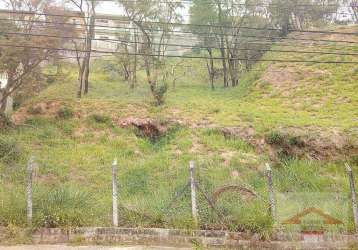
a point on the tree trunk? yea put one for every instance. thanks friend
(211, 69)
(2, 103)
(222, 45)
(4, 97)
(134, 73)
(80, 81)
(222, 51)
(233, 71)
(86, 76)
(88, 53)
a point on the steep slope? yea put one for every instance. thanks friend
(280, 111)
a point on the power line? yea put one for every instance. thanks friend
(188, 57)
(186, 46)
(185, 32)
(206, 25)
(240, 4)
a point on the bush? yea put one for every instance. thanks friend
(65, 113)
(275, 138)
(10, 151)
(62, 206)
(102, 119)
(5, 122)
(12, 208)
(159, 93)
(296, 141)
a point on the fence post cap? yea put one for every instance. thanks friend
(268, 167)
(348, 168)
(115, 161)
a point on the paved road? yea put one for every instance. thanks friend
(64, 247)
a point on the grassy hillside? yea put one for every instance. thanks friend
(276, 108)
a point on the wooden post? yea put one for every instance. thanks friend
(271, 192)
(353, 195)
(194, 209)
(114, 193)
(30, 167)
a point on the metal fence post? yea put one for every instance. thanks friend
(353, 195)
(194, 209)
(271, 192)
(114, 193)
(30, 168)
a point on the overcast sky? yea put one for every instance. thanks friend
(103, 8)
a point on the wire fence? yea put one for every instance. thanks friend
(190, 204)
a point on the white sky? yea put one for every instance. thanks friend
(103, 8)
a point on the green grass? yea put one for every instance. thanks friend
(74, 149)
(73, 177)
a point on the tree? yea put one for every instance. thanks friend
(354, 7)
(154, 21)
(204, 13)
(222, 31)
(297, 14)
(25, 44)
(87, 9)
(127, 57)
(242, 50)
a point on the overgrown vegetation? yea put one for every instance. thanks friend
(75, 145)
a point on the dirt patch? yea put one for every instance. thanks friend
(146, 127)
(247, 134)
(281, 78)
(315, 144)
(308, 143)
(287, 80)
(45, 109)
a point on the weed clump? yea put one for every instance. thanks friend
(159, 94)
(136, 181)
(101, 119)
(5, 122)
(10, 151)
(275, 138)
(62, 206)
(65, 113)
(295, 141)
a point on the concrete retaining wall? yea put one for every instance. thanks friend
(173, 237)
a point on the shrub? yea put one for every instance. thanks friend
(159, 93)
(296, 141)
(62, 206)
(65, 113)
(354, 160)
(275, 138)
(12, 208)
(5, 122)
(10, 151)
(102, 119)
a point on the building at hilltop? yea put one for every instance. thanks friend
(111, 31)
